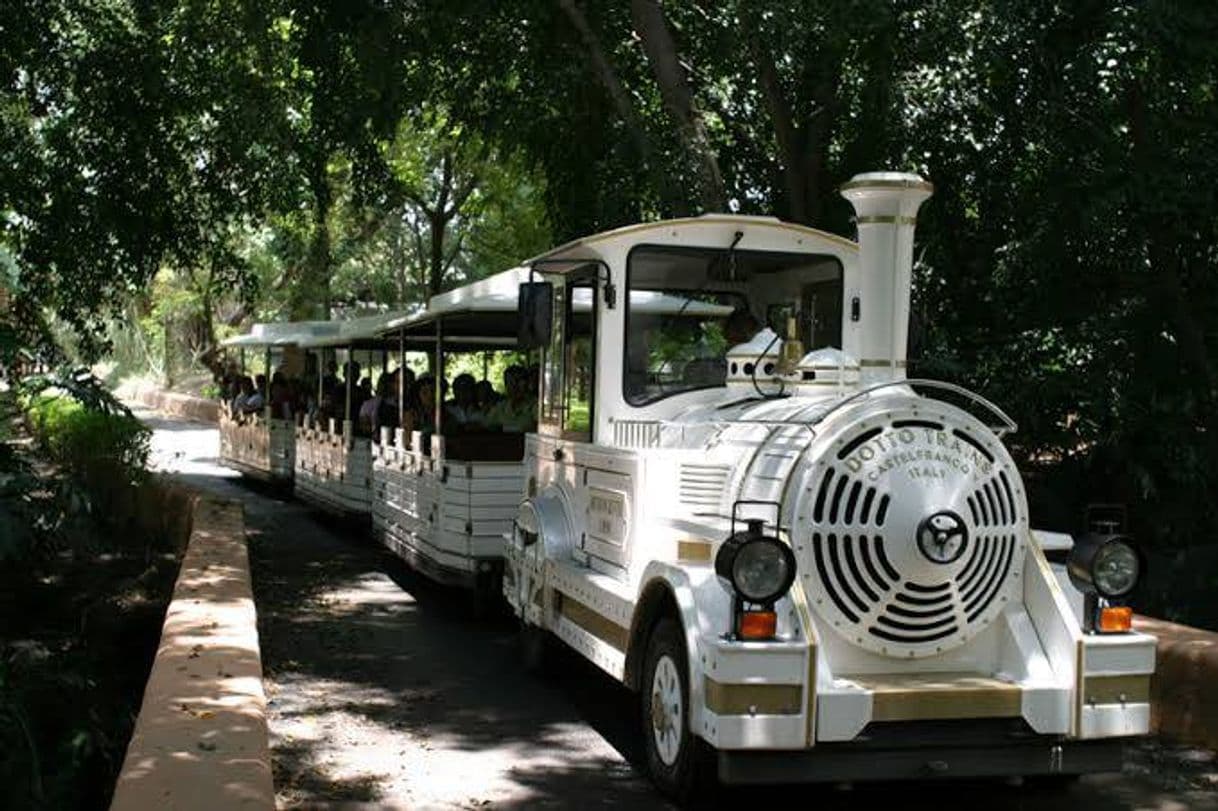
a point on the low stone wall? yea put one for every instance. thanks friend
(172, 403)
(200, 741)
(1184, 688)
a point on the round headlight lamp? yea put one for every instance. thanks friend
(1115, 569)
(758, 567)
(1107, 565)
(763, 570)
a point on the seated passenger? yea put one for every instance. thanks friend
(461, 413)
(281, 397)
(245, 387)
(422, 416)
(255, 400)
(387, 411)
(367, 410)
(486, 396)
(517, 412)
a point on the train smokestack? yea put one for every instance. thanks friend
(876, 323)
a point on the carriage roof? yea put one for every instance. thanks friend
(484, 312)
(285, 333)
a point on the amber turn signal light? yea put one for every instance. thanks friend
(758, 624)
(1114, 619)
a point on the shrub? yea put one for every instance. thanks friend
(103, 453)
(87, 441)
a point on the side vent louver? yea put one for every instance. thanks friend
(701, 486)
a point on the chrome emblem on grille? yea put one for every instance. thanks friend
(942, 537)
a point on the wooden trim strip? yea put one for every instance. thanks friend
(694, 551)
(594, 623)
(1116, 689)
(752, 699)
(935, 696)
(885, 220)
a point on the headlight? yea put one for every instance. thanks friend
(761, 571)
(758, 567)
(1115, 569)
(1107, 565)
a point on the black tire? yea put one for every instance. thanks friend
(690, 775)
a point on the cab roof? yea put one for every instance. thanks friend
(567, 257)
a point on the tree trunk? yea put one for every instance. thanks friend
(309, 297)
(678, 98)
(438, 225)
(602, 69)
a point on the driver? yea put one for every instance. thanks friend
(740, 327)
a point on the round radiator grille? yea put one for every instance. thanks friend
(911, 532)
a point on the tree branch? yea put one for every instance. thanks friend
(678, 99)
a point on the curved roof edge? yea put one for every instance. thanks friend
(565, 250)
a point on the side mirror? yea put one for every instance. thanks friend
(535, 314)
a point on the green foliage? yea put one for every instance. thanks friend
(101, 452)
(93, 445)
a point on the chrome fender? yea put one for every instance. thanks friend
(542, 531)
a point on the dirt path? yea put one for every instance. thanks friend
(385, 694)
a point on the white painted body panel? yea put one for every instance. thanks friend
(258, 445)
(334, 470)
(453, 514)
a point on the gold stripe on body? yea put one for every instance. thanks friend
(752, 699)
(1116, 689)
(932, 696)
(596, 624)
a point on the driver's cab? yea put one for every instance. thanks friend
(636, 325)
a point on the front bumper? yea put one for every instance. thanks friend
(920, 751)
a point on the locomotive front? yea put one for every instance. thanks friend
(888, 535)
(911, 527)
(807, 564)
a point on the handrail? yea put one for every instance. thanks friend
(1008, 425)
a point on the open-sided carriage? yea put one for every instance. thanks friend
(444, 500)
(333, 468)
(261, 443)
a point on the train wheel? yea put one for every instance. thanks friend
(681, 764)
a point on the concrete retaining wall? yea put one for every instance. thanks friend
(198, 409)
(1184, 689)
(200, 741)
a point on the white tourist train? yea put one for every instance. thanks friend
(810, 567)
(259, 443)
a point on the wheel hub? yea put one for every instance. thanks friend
(667, 716)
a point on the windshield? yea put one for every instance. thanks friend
(688, 306)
